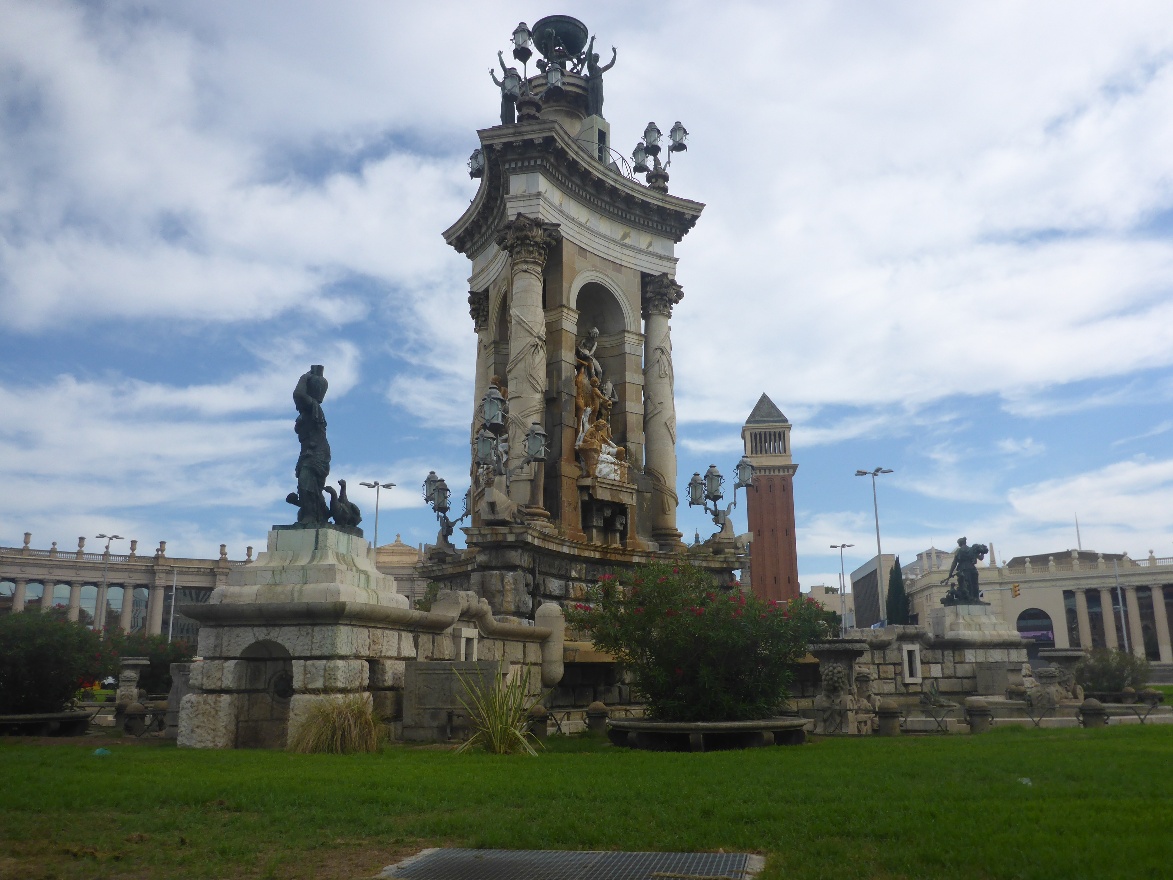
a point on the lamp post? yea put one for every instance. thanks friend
(706, 490)
(438, 497)
(490, 447)
(842, 587)
(376, 485)
(649, 146)
(100, 613)
(875, 472)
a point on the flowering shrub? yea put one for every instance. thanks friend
(697, 652)
(43, 662)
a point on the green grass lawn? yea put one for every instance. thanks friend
(1098, 804)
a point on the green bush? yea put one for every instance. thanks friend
(156, 678)
(1110, 672)
(44, 661)
(697, 652)
(338, 726)
(499, 713)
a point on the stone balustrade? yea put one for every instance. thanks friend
(84, 584)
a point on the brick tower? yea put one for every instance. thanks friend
(770, 502)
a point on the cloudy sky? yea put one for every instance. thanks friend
(939, 236)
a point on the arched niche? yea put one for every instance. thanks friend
(600, 307)
(1035, 625)
(266, 678)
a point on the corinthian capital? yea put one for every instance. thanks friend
(528, 240)
(660, 294)
(478, 308)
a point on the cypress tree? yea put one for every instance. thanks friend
(897, 610)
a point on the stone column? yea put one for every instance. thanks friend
(478, 309)
(47, 588)
(155, 610)
(528, 241)
(1135, 630)
(1082, 620)
(660, 294)
(18, 595)
(124, 616)
(1109, 617)
(74, 612)
(1162, 621)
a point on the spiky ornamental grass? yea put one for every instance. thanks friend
(338, 726)
(498, 712)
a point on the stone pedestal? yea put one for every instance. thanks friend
(312, 619)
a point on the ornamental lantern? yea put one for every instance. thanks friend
(535, 443)
(493, 411)
(485, 448)
(652, 139)
(696, 491)
(744, 472)
(521, 42)
(713, 481)
(553, 78)
(440, 496)
(476, 164)
(678, 135)
(430, 486)
(639, 158)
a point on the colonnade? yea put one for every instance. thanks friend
(1132, 611)
(153, 623)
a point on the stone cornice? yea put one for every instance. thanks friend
(545, 146)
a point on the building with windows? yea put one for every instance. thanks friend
(865, 588)
(1067, 599)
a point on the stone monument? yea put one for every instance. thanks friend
(312, 619)
(573, 282)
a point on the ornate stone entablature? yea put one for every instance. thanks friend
(548, 148)
(528, 241)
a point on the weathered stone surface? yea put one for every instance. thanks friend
(207, 721)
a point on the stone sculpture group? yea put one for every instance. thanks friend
(313, 464)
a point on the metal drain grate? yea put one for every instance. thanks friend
(504, 864)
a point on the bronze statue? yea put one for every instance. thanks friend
(343, 511)
(313, 465)
(965, 562)
(510, 85)
(595, 78)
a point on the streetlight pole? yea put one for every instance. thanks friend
(842, 587)
(100, 612)
(376, 485)
(879, 553)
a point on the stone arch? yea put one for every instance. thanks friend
(499, 324)
(1035, 625)
(264, 679)
(595, 310)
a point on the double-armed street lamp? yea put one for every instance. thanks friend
(376, 485)
(875, 472)
(100, 621)
(438, 496)
(842, 586)
(706, 490)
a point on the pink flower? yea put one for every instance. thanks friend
(607, 577)
(676, 571)
(737, 612)
(639, 611)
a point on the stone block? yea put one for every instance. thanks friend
(964, 670)
(345, 675)
(387, 673)
(992, 678)
(444, 647)
(490, 649)
(361, 641)
(424, 646)
(555, 587)
(514, 652)
(951, 685)
(207, 721)
(388, 705)
(884, 686)
(309, 675)
(407, 646)
(968, 655)
(208, 642)
(533, 654)
(333, 641)
(210, 674)
(936, 670)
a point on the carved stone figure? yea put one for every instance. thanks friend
(313, 464)
(595, 78)
(965, 562)
(866, 702)
(584, 354)
(834, 704)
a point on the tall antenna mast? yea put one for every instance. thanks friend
(1078, 540)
